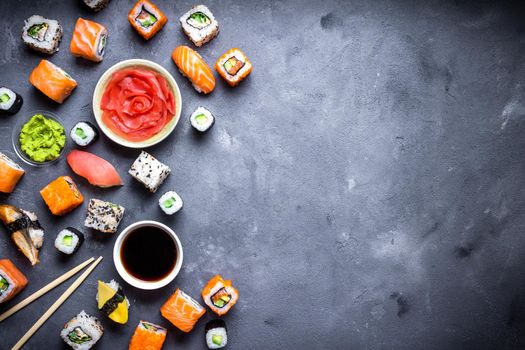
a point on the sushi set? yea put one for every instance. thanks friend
(136, 103)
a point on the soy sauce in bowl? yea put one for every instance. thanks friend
(148, 253)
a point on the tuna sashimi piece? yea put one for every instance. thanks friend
(96, 170)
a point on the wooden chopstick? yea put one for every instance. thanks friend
(44, 290)
(55, 305)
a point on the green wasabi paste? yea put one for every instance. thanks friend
(42, 139)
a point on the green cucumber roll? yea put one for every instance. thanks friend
(10, 101)
(202, 119)
(170, 202)
(216, 334)
(69, 240)
(84, 133)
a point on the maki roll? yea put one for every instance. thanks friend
(82, 331)
(202, 119)
(149, 171)
(10, 174)
(200, 25)
(216, 334)
(219, 295)
(96, 5)
(89, 40)
(112, 301)
(103, 216)
(52, 81)
(12, 281)
(170, 202)
(10, 101)
(233, 66)
(84, 133)
(182, 311)
(62, 196)
(69, 240)
(146, 19)
(42, 34)
(148, 336)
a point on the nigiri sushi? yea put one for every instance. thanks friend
(96, 170)
(182, 310)
(146, 19)
(89, 40)
(10, 174)
(12, 281)
(192, 66)
(148, 336)
(16, 223)
(233, 66)
(52, 81)
(219, 295)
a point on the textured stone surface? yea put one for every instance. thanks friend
(363, 188)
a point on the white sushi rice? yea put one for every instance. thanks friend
(88, 132)
(219, 331)
(50, 41)
(149, 171)
(200, 36)
(9, 103)
(10, 286)
(239, 56)
(170, 202)
(66, 249)
(103, 216)
(96, 5)
(200, 123)
(89, 325)
(36, 233)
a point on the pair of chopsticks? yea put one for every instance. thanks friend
(56, 304)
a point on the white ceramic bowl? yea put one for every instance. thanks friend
(147, 285)
(101, 86)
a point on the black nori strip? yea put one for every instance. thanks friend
(19, 101)
(20, 224)
(213, 324)
(112, 304)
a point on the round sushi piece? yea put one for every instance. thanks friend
(42, 34)
(170, 202)
(202, 119)
(216, 334)
(82, 331)
(10, 101)
(84, 133)
(69, 240)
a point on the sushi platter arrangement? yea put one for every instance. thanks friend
(136, 104)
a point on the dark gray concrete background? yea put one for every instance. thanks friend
(363, 188)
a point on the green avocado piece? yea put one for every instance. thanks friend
(216, 339)
(80, 133)
(67, 240)
(168, 203)
(78, 336)
(3, 285)
(4, 98)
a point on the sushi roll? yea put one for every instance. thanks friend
(202, 119)
(112, 301)
(103, 216)
(149, 171)
(219, 295)
(84, 133)
(200, 25)
(35, 230)
(89, 40)
(192, 66)
(62, 196)
(52, 81)
(233, 66)
(16, 224)
(148, 336)
(10, 101)
(69, 240)
(146, 19)
(10, 174)
(170, 202)
(42, 34)
(96, 5)
(12, 281)
(82, 332)
(182, 311)
(216, 334)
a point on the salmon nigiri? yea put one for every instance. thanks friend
(182, 310)
(191, 65)
(89, 40)
(53, 81)
(96, 170)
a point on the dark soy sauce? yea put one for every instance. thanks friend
(148, 253)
